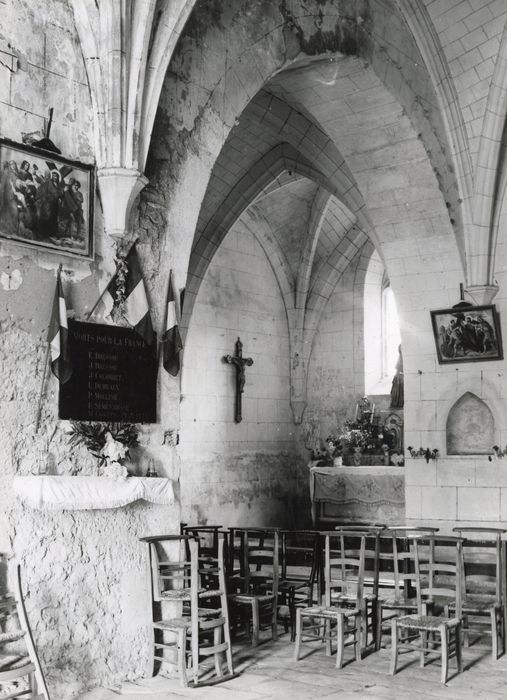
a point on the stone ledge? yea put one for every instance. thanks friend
(90, 492)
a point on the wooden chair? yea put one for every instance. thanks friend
(201, 629)
(369, 618)
(207, 536)
(256, 596)
(484, 583)
(438, 563)
(20, 672)
(397, 593)
(300, 568)
(337, 620)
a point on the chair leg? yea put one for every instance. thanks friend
(292, 623)
(494, 633)
(182, 661)
(424, 643)
(274, 624)
(357, 640)
(32, 684)
(394, 646)
(340, 639)
(466, 639)
(327, 635)
(457, 641)
(299, 627)
(255, 622)
(217, 638)
(228, 651)
(501, 615)
(444, 640)
(378, 625)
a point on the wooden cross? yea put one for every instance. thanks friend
(239, 362)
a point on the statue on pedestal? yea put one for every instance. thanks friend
(397, 391)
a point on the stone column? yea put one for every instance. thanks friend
(119, 188)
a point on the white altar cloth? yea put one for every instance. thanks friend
(90, 492)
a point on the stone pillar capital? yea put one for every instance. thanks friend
(119, 188)
(481, 294)
(298, 407)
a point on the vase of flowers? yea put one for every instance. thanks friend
(334, 450)
(110, 443)
(355, 440)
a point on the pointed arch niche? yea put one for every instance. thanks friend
(470, 428)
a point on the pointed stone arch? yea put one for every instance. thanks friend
(470, 427)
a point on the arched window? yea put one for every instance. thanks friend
(381, 329)
(391, 338)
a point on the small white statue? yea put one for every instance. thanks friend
(113, 452)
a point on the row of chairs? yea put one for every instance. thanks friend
(345, 587)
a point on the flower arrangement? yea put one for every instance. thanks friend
(355, 437)
(426, 452)
(499, 452)
(334, 447)
(108, 442)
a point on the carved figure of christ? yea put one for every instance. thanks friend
(240, 363)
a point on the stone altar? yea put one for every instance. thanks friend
(362, 494)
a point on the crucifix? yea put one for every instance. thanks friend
(239, 362)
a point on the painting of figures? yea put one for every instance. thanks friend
(46, 200)
(467, 334)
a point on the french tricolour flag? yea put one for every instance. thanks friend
(135, 309)
(58, 333)
(171, 339)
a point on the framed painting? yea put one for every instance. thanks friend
(46, 201)
(467, 334)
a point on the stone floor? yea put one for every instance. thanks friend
(270, 672)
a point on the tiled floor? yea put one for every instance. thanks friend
(272, 673)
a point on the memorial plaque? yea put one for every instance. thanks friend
(114, 375)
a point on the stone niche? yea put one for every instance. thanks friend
(470, 427)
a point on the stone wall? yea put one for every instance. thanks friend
(84, 574)
(88, 600)
(333, 382)
(247, 472)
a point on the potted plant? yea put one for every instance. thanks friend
(334, 450)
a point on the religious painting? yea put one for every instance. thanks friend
(46, 201)
(467, 334)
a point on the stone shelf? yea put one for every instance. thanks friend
(90, 492)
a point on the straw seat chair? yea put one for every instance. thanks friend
(438, 564)
(20, 670)
(197, 586)
(256, 598)
(337, 620)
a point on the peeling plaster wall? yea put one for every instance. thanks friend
(239, 473)
(88, 592)
(84, 573)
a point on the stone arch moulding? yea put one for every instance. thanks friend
(470, 427)
(266, 170)
(452, 389)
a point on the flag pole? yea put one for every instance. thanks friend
(44, 373)
(98, 300)
(107, 285)
(43, 384)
